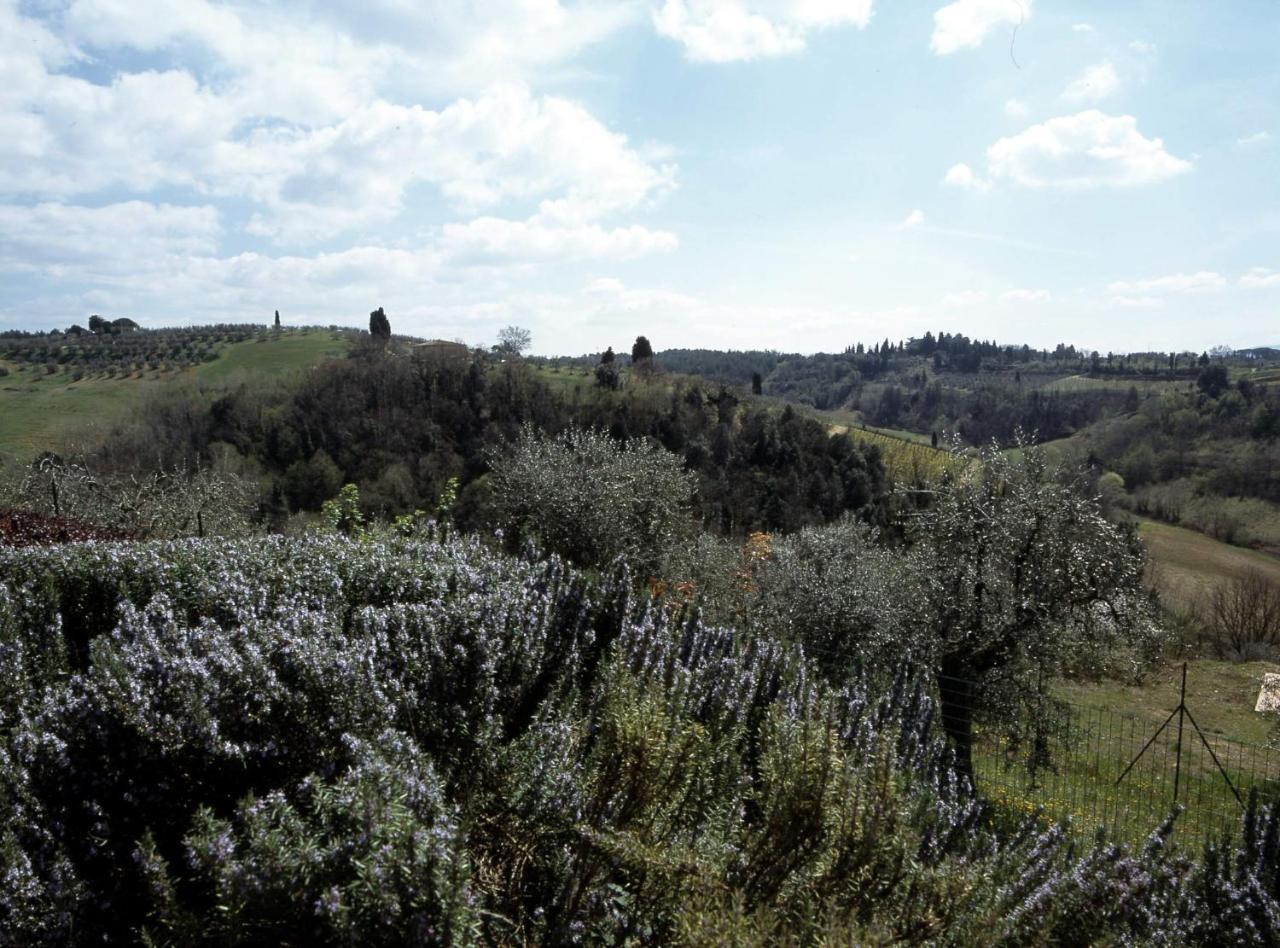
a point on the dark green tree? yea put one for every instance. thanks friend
(607, 376)
(641, 351)
(379, 325)
(1213, 380)
(757, 383)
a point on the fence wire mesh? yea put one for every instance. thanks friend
(1100, 767)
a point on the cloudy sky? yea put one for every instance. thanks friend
(790, 174)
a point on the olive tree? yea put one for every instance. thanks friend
(1018, 575)
(592, 499)
(160, 504)
(837, 591)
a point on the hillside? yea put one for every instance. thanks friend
(42, 410)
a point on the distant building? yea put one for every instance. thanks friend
(443, 349)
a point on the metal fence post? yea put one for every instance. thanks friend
(1182, 710)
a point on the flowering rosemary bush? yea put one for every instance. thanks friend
(387, 741)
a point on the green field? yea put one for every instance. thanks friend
(566, 379)
(271, 356)
(853, 420)
(908, 456)
(40, 412)
(1101, 728)
(1187, 565)
(1105, 724)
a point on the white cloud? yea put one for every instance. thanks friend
(334, 50)
(1094, 84)
(964, 24)
(721, 31)
(494, 240)
(296, 117)
(506, 145)
(1086, 150)
(914, 219)
(610, 293)
(1081, 27)
(962, 176)
(1025, 296)
(1174, 283)
(55, 238)
(1260, 277)
(964, 298)
(1016, 108)
(1138, 302)
(1143, 48)
(1257, 138)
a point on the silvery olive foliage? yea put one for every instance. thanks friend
(842, 595)
(163, 504)
(1018, 574)
(1016, 561)
(385, 741)
(592, 499)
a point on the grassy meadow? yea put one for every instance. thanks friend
(1102, 727)
(1186, 564)
(41, 411)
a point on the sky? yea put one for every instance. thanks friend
(798, 175)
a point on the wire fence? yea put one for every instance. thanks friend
(1101, 767)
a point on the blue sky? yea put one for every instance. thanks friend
(731, 173)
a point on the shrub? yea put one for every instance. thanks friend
(592, 499)
(423, 741)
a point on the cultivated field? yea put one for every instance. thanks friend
(49, 411)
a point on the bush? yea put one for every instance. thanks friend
(1243, 617)
(592, 499)
(421, 741)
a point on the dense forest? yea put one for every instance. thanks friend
(400, 424)
(1194, 438)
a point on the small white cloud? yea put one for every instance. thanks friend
(722, 31)
(1260, 277)
(914, 219)
(1174, 283)
(1093, 85)
(1081, 27)
(493, 240)
(1143, 48)
(1086, 150)
(965, 298)
(964, 24)
(1257, 138)
(962, 176)
(1138, 302)
(1025, 296)
(1016, 108)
